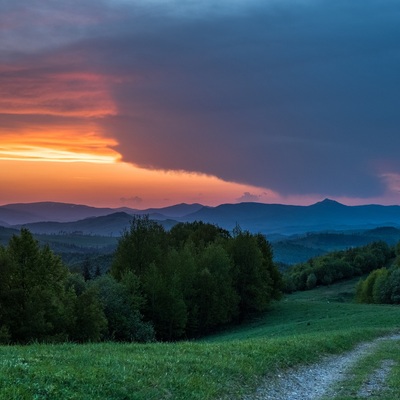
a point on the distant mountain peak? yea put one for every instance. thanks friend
(328, 203)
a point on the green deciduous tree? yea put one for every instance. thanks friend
(166, 306)
(253, 281)
(90, 323)
(121, 302)
(311, 281)
(216, 298)
(144, 243)
(33, 291)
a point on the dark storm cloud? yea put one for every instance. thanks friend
(299, 97)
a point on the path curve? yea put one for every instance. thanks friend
(311, 382)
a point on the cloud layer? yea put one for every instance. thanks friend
(300, 97)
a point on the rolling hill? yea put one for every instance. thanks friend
(56, 218)
(287, 219)
(108, 225)
(24, 213)
(27, 213)
(256, 217)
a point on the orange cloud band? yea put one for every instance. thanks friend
(58, 147)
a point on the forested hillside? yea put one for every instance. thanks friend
(338, 265)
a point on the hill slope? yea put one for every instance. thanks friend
(26, 213)
(23, 213)
(299, 248)
(109, 225)
(286, 219)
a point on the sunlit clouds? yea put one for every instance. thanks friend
(54, 88)
(34, 153)
(62, 145)
(49, 111)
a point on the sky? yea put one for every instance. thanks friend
(148, 103)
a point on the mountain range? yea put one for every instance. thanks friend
(271, 219)
(287, 219)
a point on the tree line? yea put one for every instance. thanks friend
(336, 266)
(163, 285)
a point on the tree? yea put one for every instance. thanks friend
(199, 233)
(380, 292)
(121, 308)
(166, 306)
(270, 272)
(253, 281)
(5, 271)
(216, 298)
(86, 269)
(394, 286)
(32, 299)
(90, 321)
(143, 244)
(311, 281)
(364, 289)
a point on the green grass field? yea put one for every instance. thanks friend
(300, 329)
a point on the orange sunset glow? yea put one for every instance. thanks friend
(64, 147)
(112, 184)
(53, 147)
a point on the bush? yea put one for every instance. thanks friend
(311, 281)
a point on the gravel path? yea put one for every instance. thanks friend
(314, 381)
(376, 382)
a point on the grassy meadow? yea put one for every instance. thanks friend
(297, 330)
